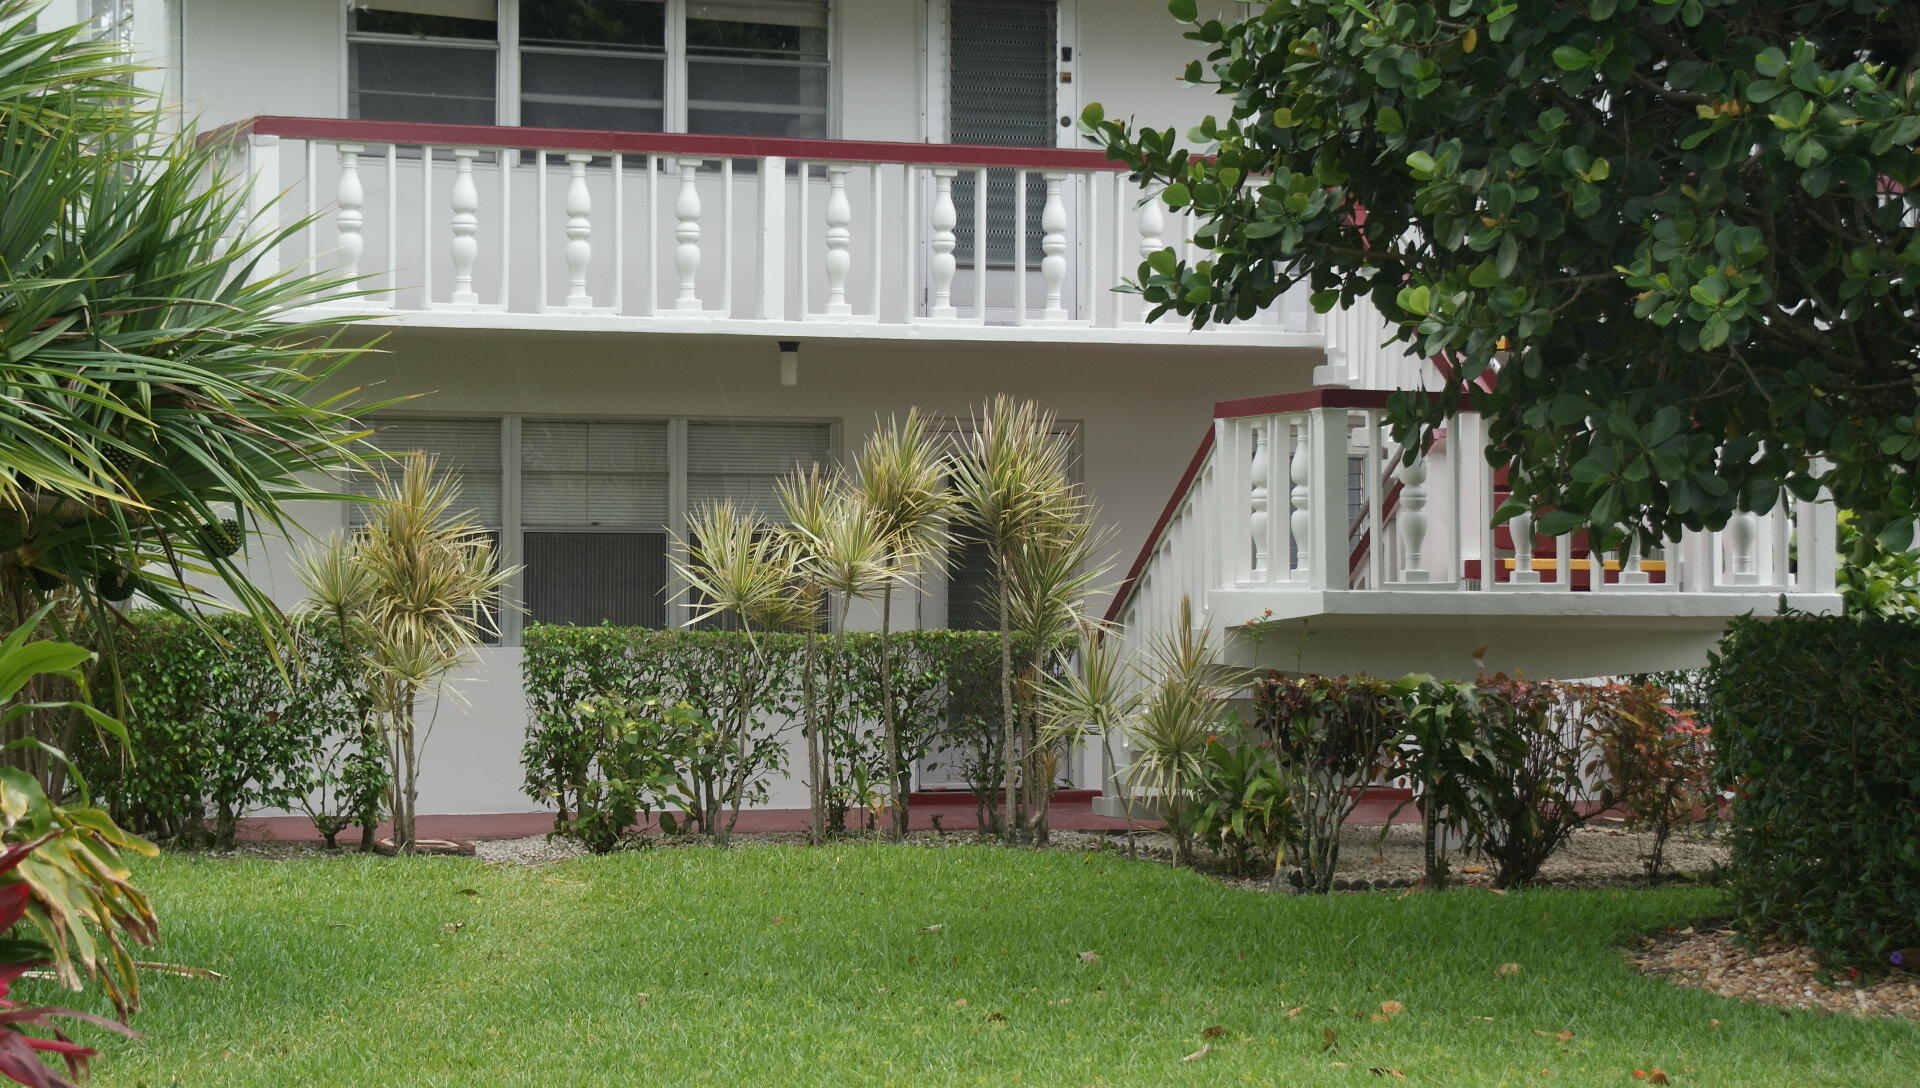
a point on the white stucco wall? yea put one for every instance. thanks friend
(1140, 413)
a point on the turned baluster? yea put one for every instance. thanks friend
(351, 197)
(839, 237)
(686, 257)
(940, 266)
(466, 225)
(1302, 502)
(579, 230)
(1413, 520)
(1053, 243)
(1257, 476)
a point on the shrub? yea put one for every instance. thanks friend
(1332, 735)
(1455, 757)
(639, 761)
(1533, 799)
(945, 686)
(1656, 761)
(224, 727)
(1816, 734)
(1242, 802)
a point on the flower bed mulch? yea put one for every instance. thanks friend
(1776, 974)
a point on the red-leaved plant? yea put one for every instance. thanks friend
(20, 1052)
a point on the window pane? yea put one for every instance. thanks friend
(466, 449)
(595, 24)
(392, 81)
(743, 461)
(604, 91)
(774, 29)
(600, 475)
(756, 98)
(468, 19)
(591, 578)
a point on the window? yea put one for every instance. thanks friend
(597, 501)
(422, 60)
(1000, 80)
(733, 67)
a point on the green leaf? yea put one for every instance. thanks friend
(1559, 522)
(1572, 59)
(1421, 164)
(1185, 11)
(1388, 120)
(1414, 300)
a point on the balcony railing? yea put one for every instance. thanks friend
(1294, 504)
(524, 227)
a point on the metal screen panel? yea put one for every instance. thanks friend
(1000, 82)
(592, 578)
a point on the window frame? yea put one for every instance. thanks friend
(507, 54)
(512, 552)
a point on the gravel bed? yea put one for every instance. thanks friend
(1773, 974)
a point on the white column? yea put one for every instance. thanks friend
(1053, 243)
(263, 195)
(351, 198)
(1299, 474)
(1413, 520)
(579, 230)
(1522, 529)
(466, 224)
(839, 258)
(940, 266)
(1258, 476)
(686, 258)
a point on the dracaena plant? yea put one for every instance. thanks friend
(66, 901)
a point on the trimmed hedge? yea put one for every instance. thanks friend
(946, 686)
(218, 727)
(1817, 725)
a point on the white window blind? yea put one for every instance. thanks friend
(466, 449)
(743, 461)
(593, 475)
(757, 68)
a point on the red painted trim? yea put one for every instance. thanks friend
(1180, 490)
(666, 143)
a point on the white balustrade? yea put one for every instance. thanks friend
(1300, 469)
(1053, 244)
(1412, 518)
(466, 224)
(351, 197)
(1520, 526)
(941, 265)
(686, 256)
(579, 231)
(1258, 521)
(839, 237)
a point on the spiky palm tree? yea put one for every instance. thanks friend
(1094, 700)
(421, 580)
(1055, 573)
(159, 402)
(844, 552)
(1185, 689)
(902, 473)
(1010, 472)
(737, 566)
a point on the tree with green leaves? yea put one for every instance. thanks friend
(1669, 248)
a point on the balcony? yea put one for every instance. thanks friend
(1296, 527)
(484, 227)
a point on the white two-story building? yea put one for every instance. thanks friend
(632, 255)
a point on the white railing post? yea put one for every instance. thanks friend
(579, 230)
(686, 257)
(263, 194)
(1413, 520)
(1053, 243)
(839, 258)
(1633, 571)
(466, 224)
(1258, 476)
(940, 266)
(1327, 482)
(350, 196)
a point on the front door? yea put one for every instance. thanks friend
(1008, 76)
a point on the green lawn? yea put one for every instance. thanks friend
(777, 965)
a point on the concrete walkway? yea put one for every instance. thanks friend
(1071, 811)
